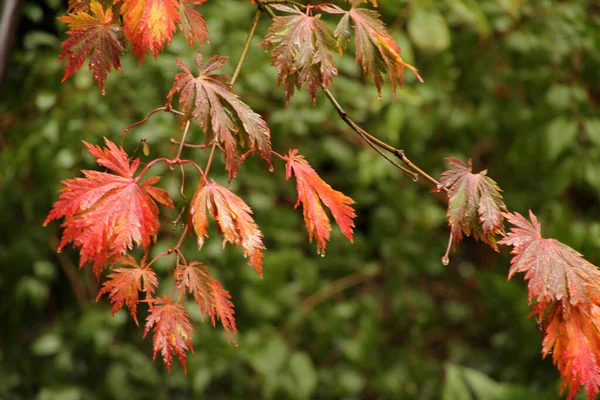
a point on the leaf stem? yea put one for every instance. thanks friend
(264, 5)
(166, 108)
(210, 158)
(244, 54)
(182, 143)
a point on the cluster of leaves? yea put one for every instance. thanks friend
(107, 214)
(564, 288)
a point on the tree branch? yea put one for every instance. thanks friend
(244, 54)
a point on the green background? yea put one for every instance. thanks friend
(514, 85)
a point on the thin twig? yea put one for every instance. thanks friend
(244, 54)
(166, 108)
(210, 158)
(191, 146)
(264, 5)
(182, 143)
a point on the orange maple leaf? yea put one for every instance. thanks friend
(475, 204)
(149, 24)
(96, 30)
(376, 50)
(209, 99)
(124, 284)
(311, 191)
(233, 218)
(572, 337)
(172, 330)
(105, 214)
(302, 51)
(208, 293)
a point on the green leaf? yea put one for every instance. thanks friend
(429, 30)
(561, 134)
(471, 12)
(303, 371)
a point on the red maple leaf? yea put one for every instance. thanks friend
(572, 337)
(172, 330)
(192, 24)
(554, 270)
(302, 51)
(224, 117)
(233, 218)
(311, 191)
(376, 50)
(208, 293)
(105, 214)
(96, 30)
(149, 24)
(124, 284)
(475, 204)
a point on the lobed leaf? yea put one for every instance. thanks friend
(96, 30)
(106, 214)
(172, 330)
(312, 190)
(208, 293)
(302, 51)
(376, 50)
(192, 24)
(124, 284)
(149, 24)
(572, 337)
(233, 219)
(475, 205)
(554, 270)
(224, 117)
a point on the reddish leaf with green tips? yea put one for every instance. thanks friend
(208, 293)
(209, 98)
(172, 330)
(312, 190)
(233, 219)
(376, 50)
(106, 214)
(302, 51)
(554, 270)
(192, 24)
(475, 204)
(98, 30)
(124, 284)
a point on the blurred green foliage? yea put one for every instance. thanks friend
(515, 85)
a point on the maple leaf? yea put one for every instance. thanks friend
(233, 219)
(312, 190)
(302, 51)
(554, 270)
(572, 337)
(78, 5)
(124, 284)
(376, 50)
(172, 330)
(92, 30)
(209, 99)
(105, 214)
(211, 297)
(149, 24)
(192, 24)
(475, 204)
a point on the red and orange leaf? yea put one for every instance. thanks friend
(96, 30)
(224, 117)
(554, 270)
(302, 51)
(106, 214)
(475, 204)
(124, 284)
(192, 24)
(312, 190)
(210, 296)
(149, 24)
(172, 330)
(376, 50)
(572, 337)
(233, 218)
(78, 5)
